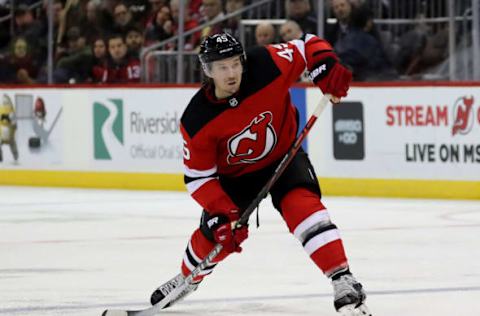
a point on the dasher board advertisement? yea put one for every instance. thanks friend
(405, 132)
(31, 129)
(138, 131)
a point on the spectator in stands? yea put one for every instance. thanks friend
(290, 30)
(363, 52)
(154, 7)
(370, 27)
(108, 6)
(26, 25)
(69, 44)
(76, 40)
(72, 15)
(232, 24)
(436, 49)
(134, 40)
(301, 12)
(421, 49)
(160, 28)
(411, 46)
(92, 11)
(98, 65)
(121, 67)
(194, 8)
(138, 10)
(212, 11)
(122, 19)
(73, 66)
(342, 10)
(89, 65)
(191, 41)
(92, 25)
(19, 65)
(264, 33)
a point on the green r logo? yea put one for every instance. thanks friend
(108, 128)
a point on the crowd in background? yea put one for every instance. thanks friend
(100, 41)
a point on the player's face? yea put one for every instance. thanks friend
(227, 76)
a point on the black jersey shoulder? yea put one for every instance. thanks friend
(199, 112)
(261, 70)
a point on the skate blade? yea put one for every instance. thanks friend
(350, 310)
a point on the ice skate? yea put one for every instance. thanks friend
(349, 296)
(163, 290)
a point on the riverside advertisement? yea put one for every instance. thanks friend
(138, 132)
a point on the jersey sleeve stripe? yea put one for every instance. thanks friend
(195, 173)
(196, 184)
(309, 37)
(321, 52)
(300, 46)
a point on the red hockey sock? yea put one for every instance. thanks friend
(308, 220)
(197, 249)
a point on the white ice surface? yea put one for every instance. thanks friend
(76, 252)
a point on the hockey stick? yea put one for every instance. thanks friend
(153, 310)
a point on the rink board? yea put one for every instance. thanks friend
(382, 141)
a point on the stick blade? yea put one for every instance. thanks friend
(151, 311)
(113, 312)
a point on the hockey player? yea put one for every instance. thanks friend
(8, 127)
(235, 130)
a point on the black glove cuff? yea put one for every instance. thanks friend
(216, 220)
(321, 69)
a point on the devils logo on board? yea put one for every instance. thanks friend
(463, 116)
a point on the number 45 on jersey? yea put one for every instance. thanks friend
(284, 51)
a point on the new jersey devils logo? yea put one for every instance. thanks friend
(254, 142)
(462, 113)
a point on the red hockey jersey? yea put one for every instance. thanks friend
(126, 72)
(249, 130)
